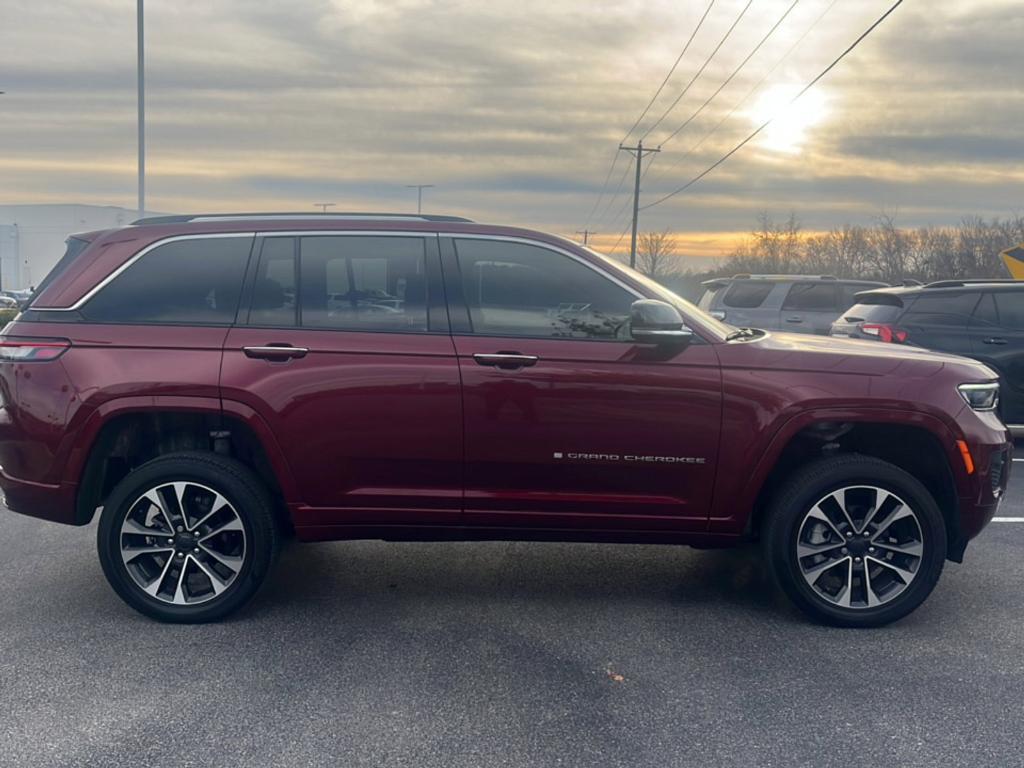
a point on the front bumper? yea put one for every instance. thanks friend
(55, 503)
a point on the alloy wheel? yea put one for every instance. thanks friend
(182, 543)
(859, 547)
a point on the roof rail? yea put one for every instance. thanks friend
(972, 281)
(780, 276)
(344, 216)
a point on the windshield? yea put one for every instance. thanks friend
(687, 308)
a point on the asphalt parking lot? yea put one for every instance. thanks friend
(375, 654)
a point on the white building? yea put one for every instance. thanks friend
(32, 236)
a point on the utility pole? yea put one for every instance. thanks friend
(419, 194)
(141, 74)
(586, 234)
(324, 206)
(639, 151)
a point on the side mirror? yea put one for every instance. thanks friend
(657, 322)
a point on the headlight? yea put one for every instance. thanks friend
(981, 397)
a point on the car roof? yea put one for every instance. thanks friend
(721, 282)
(949, 286)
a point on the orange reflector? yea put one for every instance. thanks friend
(965, 452)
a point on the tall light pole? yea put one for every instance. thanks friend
(141, 72)
(419, 194)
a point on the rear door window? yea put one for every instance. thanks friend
(748, 294)
(811, 297)
(947, 309)
(1011, 310)
(197, 281)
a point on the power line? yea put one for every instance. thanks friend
(751, 92)
(728, 80)
(618, 189)
(699, 71)
(664, 82)
(604, 188)
(615, 159)
(763, 125)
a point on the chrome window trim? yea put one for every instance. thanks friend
(549, 247)
(334, 233)
(120, 270)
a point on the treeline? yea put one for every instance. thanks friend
(880, 251)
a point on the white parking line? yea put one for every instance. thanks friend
(1008, 519)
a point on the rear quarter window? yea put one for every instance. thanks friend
(193, 282)
(747, 294)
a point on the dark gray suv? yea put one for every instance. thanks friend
(795, 303)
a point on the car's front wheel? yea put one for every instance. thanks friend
(187, 537)
(855, 541)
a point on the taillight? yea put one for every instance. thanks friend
(887, 333)
(14, 349)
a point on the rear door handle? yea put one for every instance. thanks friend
(794, 319)
(275, 352)
(507, 360)
(994, 340)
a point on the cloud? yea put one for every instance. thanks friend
(513, 109)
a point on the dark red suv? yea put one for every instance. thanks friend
(210, 384)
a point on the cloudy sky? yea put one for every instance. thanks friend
(514, 108)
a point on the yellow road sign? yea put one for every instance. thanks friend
(1014, 260)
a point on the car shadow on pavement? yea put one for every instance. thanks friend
(543, 574)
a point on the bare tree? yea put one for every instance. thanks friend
(656, 255)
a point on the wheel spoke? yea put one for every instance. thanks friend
(229, 561)
(805, 550)
(219, 502)
(842, 507)
(845, 597)
(179, 590)
(898, 513)
(133, 528)
(869, 591)
(812, 574)
(912, 548)
(232, 525)
(881, 496)
(153, 587)
(154, 498)
(130, 553)
(817, 514)
(218, 584)
(902, 572)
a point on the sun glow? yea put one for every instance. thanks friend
(790, 122)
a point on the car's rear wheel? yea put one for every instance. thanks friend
(855, 541)
(187, 537)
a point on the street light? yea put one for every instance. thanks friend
(141, 74)
(419, 194)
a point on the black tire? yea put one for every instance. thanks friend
(234, 482)
(798, 496)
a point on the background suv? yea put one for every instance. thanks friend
(796, 303)
(212, 383)
(983, 319)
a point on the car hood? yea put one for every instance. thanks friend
(804, 352)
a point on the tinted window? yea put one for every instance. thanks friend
(748, 295)
(985, 312)
(363, 283)
(812, 297)
(273, 293)
(197, 282)
(951, 309)
(1011, 310)
(514, 289)
(848, 293)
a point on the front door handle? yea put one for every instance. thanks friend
(794, 319)
(994, 340)
(275, 352)
(506, 360)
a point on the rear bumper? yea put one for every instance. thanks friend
(55, 503)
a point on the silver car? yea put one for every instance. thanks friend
(797, 303)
